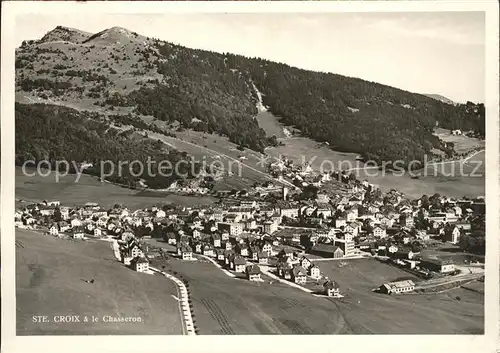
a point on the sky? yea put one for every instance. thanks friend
(439, 53)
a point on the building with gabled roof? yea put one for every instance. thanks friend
(397, 287)
(253, 272)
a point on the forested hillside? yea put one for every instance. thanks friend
(125, 73)
(54, 133)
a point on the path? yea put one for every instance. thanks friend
(211, 151)
(463, 160)
(183, 302)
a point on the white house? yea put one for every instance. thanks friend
(315, 272)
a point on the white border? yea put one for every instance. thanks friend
(249, 343)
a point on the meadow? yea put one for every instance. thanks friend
(71, 191)
(445, 179)
(50, 280)
(225, 305)
(458, 311)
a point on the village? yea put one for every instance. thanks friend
(282, 232)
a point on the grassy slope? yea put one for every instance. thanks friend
(89, 189)
(224, 305)
(49, 281)
(439, 182)
(244, 307)
(423, 314)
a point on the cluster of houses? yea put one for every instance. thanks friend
(132, 254)
(358, 220)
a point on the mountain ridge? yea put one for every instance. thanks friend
(119, 72)
(440, 98)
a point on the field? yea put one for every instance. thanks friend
(88, 189)
(462, 144)
(241, 168)
(423, 314)
(447, 180)
(225, 305)
(234, 306)
(268, 122)
(50, 280)
(452, 186)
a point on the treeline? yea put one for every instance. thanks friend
(380, 122)
(213, 93)
(202, 93)
(54, 133)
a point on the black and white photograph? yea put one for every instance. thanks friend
(252, 173)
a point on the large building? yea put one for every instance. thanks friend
(233, 228)
(397, 287)
(327, 250)
(438, 265)
(347, 246)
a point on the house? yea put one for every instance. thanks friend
(136, 251)
(267, 248)
(438, 265)
(305, 262)
(225, 236)
(403, 254)
(452, 234)
(351, 228)
(97, 232)
(406, 220)
(198, 248)
(299, 274)
(239, 264)
(219, 253)
(327, 250)
(229, 257)
(315, 272)
(216, 240)
(285, 253)
(233, 228)
(208, 251)
(126, 257)
(284, 270)
(250, 224)
(340, 222)
(242, 249)
(78, 233)
(253, 272)
(172, 239)
(254, 252)
(289, 212)
(379, 232)
(352, 215)
(386, 221)
(75, 222)
(397, 287)
(54, 230)
(263, 258)
(140, 264)
(331, 288)
(186, 252)
(270, 227)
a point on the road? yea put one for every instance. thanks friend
(217, 153)
(448, 280)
